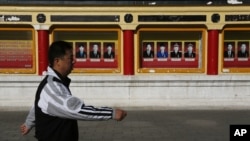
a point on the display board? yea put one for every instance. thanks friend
(235, 50)
(95, 50)
(171, 50)
(17, 51)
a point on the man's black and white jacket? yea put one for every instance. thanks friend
(56, 110)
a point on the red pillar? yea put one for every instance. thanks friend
(212, 58)
(43, 45)
(128, 52)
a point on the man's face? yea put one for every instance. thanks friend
(66, 63)
(229, 47)
(81, 48)
(176, 48)
(243, 48)
(95, 48)
(109, 48)
(190, 49)
(162, 48)
(148, 47)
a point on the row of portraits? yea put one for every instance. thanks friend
(107, 50)
(239, 49)
(164, 50)
(94, 50)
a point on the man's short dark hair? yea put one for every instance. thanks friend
(109, 45)
(148, 44)
(80, 45)
(162, 44)
(58, 49)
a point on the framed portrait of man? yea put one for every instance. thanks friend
(190, 53)
(243, 50)
(148, 51)
(176, 51)
(95, 51)
(81, 51)
(109, 51)
(229, 51)
(162, 51)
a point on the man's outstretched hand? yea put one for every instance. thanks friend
(120, 114)
(24, 129)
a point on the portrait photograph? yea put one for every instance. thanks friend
(81, 50)
(229, 51)
(162, 50)
(176, 50)
(95, 50)
(148, 50)
(190, 50)
(108, 50)
(243, 50)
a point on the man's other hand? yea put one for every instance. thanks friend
(120, 114)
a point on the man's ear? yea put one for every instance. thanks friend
(56, 60)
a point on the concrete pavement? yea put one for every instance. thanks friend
(165, 125)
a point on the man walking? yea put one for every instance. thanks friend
(56, 110)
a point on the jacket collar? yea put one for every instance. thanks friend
(65, 80)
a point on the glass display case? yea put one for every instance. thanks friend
(95, 50)
(235, 50)
(171, 50)
(17, 50)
